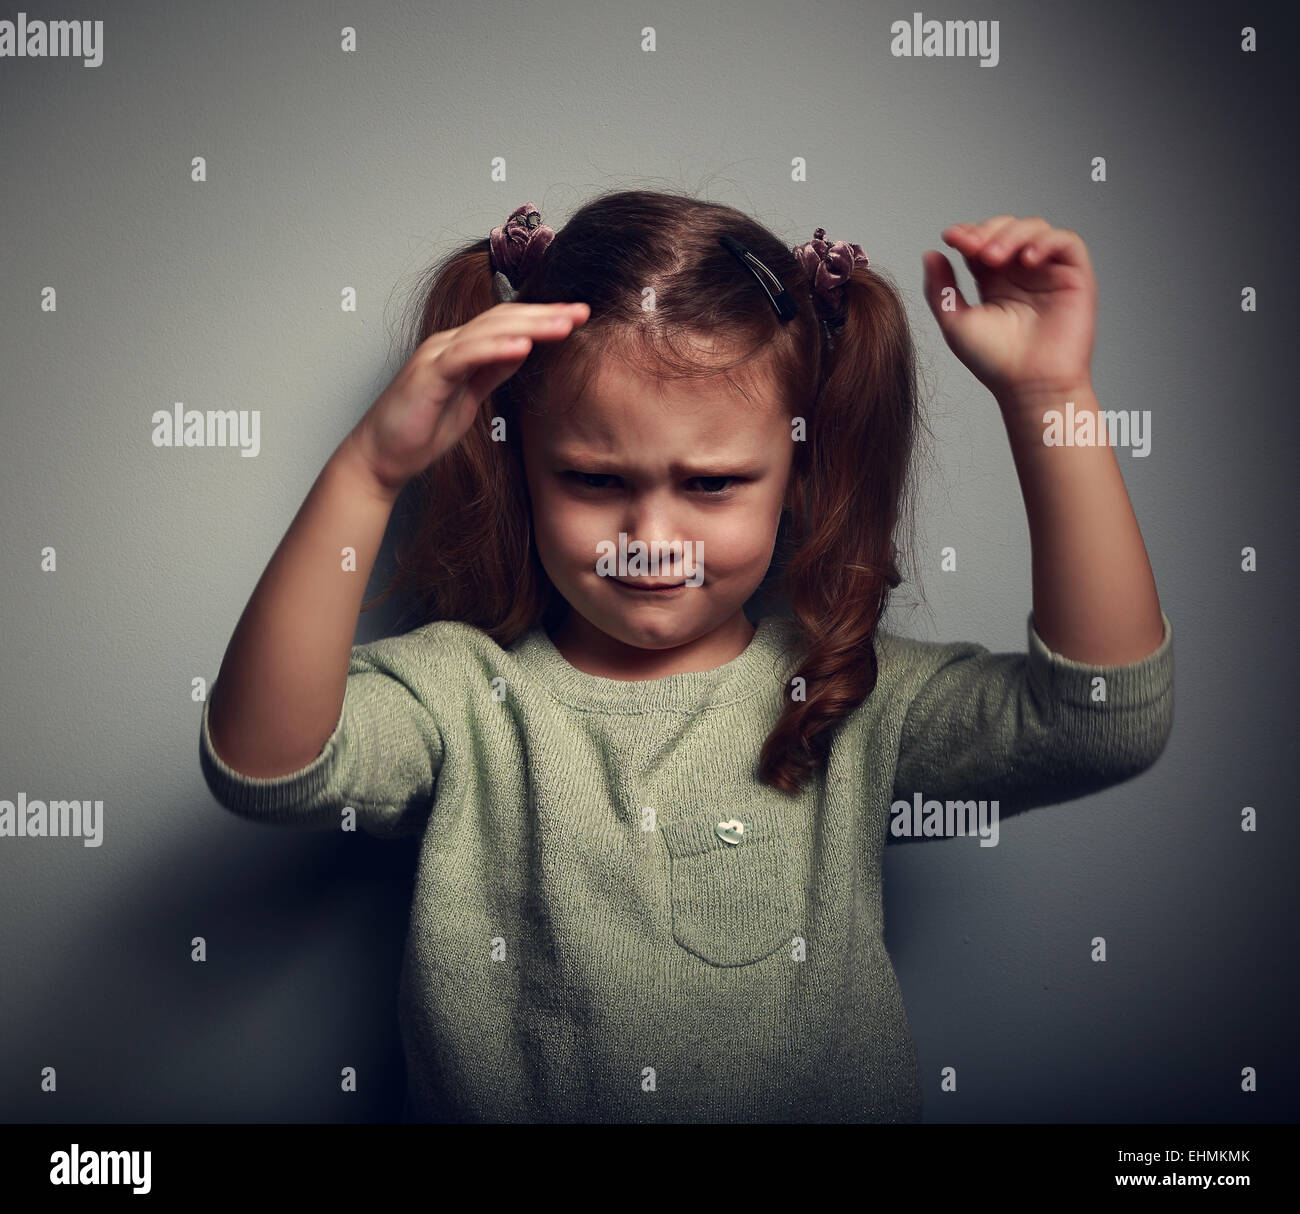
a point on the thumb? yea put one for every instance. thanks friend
(941, 291)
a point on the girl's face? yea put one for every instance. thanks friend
(690, 469)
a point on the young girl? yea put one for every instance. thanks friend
(649, 882)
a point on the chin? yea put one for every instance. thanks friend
(664, 632)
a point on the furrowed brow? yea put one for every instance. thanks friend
(590, 461)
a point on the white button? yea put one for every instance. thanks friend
(730, 831)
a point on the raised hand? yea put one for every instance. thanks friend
(1031, 334)
(432, 400)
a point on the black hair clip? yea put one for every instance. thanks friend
(782, 301)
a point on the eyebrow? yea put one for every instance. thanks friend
(739, 466)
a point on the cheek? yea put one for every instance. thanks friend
(737, 542)
(564, 532)
(545, 530)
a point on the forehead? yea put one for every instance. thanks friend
(620, 406)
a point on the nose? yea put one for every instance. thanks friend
(650, 519)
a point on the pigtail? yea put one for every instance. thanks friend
(852, 486)
(468, 554)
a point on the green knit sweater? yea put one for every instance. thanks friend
(588, 944)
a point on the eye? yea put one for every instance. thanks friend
(718, 481)
(709, 486)
(584, 479)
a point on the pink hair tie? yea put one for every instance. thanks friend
(516, 247)
(829, 264)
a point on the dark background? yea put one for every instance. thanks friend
(328, 170)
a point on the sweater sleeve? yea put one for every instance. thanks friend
(1030, 729)
(382, 760)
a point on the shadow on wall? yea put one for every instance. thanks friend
(304, 933)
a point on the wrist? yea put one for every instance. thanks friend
(356, 457)
(1031, 400)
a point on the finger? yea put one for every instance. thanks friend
(526, 320)
(939, 278)
(1060, 245)
(492, 375)
(969, 239)
(512, 313)
(970, 236)
(1007, 242)
(465, 354)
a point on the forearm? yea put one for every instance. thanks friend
(1094, 593)
(280, 689)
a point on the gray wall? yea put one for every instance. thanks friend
(328, 170)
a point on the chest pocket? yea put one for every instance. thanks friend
(730, 900)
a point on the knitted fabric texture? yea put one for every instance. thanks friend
(565, 963)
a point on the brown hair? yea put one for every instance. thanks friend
(471, 556)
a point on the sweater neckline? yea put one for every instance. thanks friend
(756, 668)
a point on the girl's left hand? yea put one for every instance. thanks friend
(1032, 332)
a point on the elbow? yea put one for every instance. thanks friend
(1114, 749)
(1151, 731)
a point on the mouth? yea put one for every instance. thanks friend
(649, 588)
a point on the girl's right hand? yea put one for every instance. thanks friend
(432, 400)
